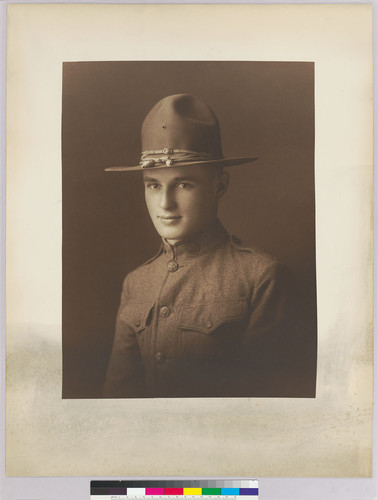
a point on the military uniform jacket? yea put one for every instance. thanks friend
(205, 318)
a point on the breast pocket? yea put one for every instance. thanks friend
(138, 317)
(212, 329)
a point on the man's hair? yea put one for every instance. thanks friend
(214, 171)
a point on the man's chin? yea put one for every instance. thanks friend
(171, 234)
(176, 234)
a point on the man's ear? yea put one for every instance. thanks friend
(222, 183)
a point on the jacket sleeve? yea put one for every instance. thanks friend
(125, 372)
(276, 344)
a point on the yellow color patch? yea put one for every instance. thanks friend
(192, 491)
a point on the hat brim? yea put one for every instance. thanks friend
(223, 162)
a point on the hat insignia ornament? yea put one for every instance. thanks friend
(151, 159)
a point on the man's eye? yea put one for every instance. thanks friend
(183, 185)
(152, 185)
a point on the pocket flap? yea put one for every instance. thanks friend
(207, 317)
(136, 315)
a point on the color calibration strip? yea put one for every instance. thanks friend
(125, 490)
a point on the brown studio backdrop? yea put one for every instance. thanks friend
(264, 108)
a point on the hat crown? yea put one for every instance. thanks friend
(182, 121)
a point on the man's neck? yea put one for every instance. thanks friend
(193, 237)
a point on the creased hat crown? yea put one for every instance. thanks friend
(182, 121)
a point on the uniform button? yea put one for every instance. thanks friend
(137, 323)
(193, 248)
(209, 324)
(159, 357)
(165, 312)
(172, 266)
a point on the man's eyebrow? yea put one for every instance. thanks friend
(149, 179)
(175, 179)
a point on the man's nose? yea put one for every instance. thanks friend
(167, 200)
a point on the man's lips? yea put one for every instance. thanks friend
(169, 217)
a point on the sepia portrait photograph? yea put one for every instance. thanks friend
(189, 258)
(188, 229)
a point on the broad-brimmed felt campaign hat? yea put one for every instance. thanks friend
(181, 130)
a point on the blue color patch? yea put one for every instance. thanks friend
(249, 491)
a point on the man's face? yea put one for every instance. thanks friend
(183, 201)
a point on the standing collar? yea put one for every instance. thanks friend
(201, 244)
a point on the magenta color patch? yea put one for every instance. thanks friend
(154, 491)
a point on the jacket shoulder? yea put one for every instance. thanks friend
(137, 272)
(260, 266)
(252, 253)
(147, 262)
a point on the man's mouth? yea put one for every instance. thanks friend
(169, 217)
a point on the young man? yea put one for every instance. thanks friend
(205, 317)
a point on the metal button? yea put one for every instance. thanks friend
(172, 266)
(137, 323)
(209, 324)
(164, 311)
(193, 248)
(159, 357)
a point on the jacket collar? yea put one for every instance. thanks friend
(203, 243)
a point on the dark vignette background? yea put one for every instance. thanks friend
(264, 108)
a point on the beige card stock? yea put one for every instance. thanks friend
(330, 435)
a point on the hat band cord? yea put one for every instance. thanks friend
(150, 159)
